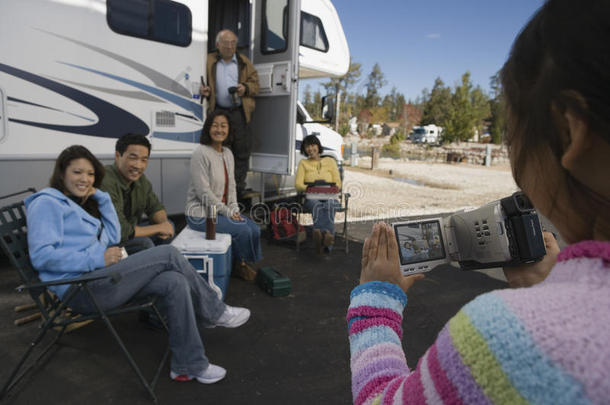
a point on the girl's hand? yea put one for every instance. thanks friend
(112, 255)
(529, 274)
(380, 259)
(91, 191)
(236, 216)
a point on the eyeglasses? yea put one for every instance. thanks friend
(228, 43)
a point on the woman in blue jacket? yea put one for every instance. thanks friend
(72, 226)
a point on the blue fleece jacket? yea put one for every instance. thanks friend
(64, 240)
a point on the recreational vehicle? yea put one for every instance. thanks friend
(88, 71)
(430, 134)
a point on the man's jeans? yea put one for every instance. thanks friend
(140, 243)
(187, 300)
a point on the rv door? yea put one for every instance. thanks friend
(275, 57)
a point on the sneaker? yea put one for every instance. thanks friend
(233, 317)
(211, 375)
(317, 240)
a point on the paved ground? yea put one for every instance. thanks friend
(293, 350)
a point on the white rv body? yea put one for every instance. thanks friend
(430, 134)
(67, 77)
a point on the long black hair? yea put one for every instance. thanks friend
(559, 62)
(61, 164)
(311, 140)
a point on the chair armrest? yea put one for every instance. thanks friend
(116, 277)
(27, 190)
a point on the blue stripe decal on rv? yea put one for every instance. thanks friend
(158, 78)
(178, 136)
(188, 105)
(17, 100)
(112, 120)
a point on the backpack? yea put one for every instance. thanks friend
(285, 226)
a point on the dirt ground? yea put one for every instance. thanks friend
(399, 188)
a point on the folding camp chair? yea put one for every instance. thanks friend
(13, 240)
(343, 207)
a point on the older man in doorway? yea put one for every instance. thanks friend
(232, 85)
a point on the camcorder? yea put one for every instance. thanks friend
(502, 233)
(234, 96)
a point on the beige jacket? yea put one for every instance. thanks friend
(207, 182)
(247, 76)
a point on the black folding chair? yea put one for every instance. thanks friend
(13, 240)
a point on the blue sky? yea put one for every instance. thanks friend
(416, 41)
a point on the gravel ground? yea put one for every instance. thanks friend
(400, 188)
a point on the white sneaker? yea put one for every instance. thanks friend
(211, 375)
(233, 317)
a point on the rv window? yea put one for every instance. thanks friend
(274, 35)
(156, 20)
(312, 32)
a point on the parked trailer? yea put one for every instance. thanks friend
(88, 71)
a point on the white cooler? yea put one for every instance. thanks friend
(211, 258)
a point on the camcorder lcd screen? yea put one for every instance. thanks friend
(420, 242)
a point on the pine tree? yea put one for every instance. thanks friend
(468, 112)
(436, 104)
(480, 109)
(307, 100)
(497, 127)
(460, 123)
(376, 80)
(316, 106)
(393, 103)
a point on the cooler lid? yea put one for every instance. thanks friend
(192, 241)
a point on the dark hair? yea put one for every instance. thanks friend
(131, 139)
(311, 140)
(205, 138)
(558, 62)
(61, 164)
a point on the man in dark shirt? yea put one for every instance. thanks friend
(133, 196)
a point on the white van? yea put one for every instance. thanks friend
(88, 71)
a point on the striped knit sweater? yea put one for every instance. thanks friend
(547, 344)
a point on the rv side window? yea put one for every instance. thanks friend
(157, 20)
(312, 32)
(274, 35)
